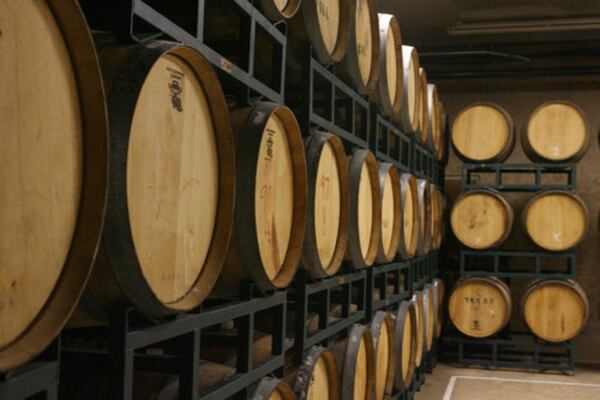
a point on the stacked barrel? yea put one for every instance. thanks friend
(554, 221)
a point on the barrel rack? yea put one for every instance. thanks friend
(513, 348)
(130, 334)
(38, 378)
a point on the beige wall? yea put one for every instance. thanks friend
(519, 98)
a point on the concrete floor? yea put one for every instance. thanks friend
(449, 383)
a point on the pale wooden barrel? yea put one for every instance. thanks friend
(270, 205)
(406, 344)
(409, 201)
(391, 213)
(483, 132)
(481, 219)
(391, 77)
(277, 10)
(171, 151)
(434, 133)
(410, 89)
(429, 308)
(327, 207)
(419, 301)
(437, 210)
(424, 209)
(272, 389)
(439, 289)
(365, 210)
(317, 378)
(355, 359)
(442, 152)
(423, 108)
(53, 179)
(557, 131)
(556, 220)
(555, 310)
(361, 63)
(384, 347)
(480, 306)
(325, 25)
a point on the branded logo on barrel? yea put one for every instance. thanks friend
(176, 88)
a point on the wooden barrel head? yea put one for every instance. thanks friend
(382, 330)
(172, 178)
(424, 211)
(410, 216)
(411, 99)
(439, 289)
(53, 177)
(557, 131)
(391, 217)
(406, 344)
(317, 377)
(556, 220)
(419, 300)
(328, 18)
(423, 107)
(481, 219)
(327, 230)
(363, 38)
(482, 132)
(555, 310)
(430, 315)
(391, 79)
(272, 389)
(434, 132)
(479, 307)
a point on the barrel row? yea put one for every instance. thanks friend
(557, 131)
(554, 220)
(554, 310)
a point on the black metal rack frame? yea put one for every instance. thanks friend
(243, 73)
(379, 279)
(424, 163)
(125, 336)
(536, 171)
(389, 143)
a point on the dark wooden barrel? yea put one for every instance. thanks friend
(423, 108)
(442, 152)
(557, 131)
(439, 289)
(384, 347)
(272, 389)
(424, 209)
(317, 377)
(437, 216)
(355, 359)
(391, 79)
(409, 199)
(556, 220)
(429, 308)
(361, 63)
(480, 306)
(406, 344)
(483, 132)
(277, 10)
(555, 310)
(327, 207)
(325, 25)
(171, 151)
(410, 89)
(270, 205)
(391, 213)
(481, 219)
(53, 178)
(418, 300)
(365, 210)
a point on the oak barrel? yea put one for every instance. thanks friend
(361, 63)
(327, 207)
(424, 209)
(384, 347)
(171, 151)
(483, 132)
(429, 308)
(423, 107)
(480, 306)
(391, 78)
(54, 156)
(325, 25)
(481, 219)
(409, 201)
(556, 220)
(406, 344)
(355, 359)
(434, 133)
(270, 204)
(276, 10)
(365, 209)
(269, 388)
(391, 213)
(439, 289)
(437, 215)
(555, 310)
(557, 131)
(442, 152)
(317, 377)
(410, 96)
(419, 301)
